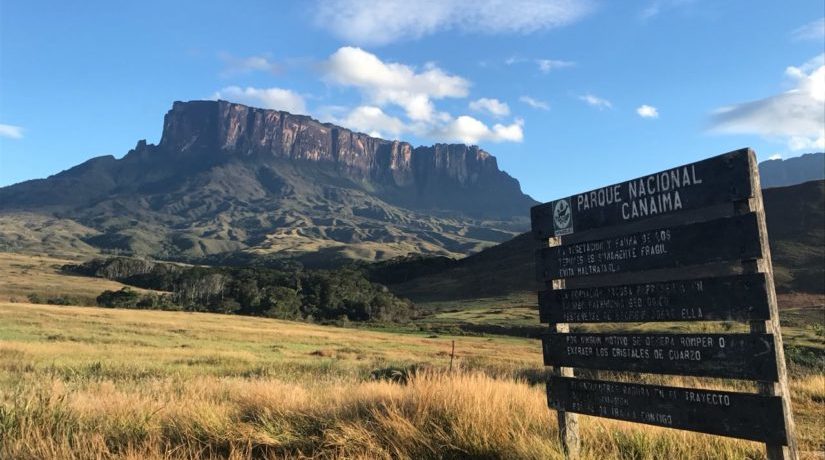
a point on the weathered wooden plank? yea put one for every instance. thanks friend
(738, 415)
(721, 179)
(568, 422)
(730, 298)
(727, 239)
(736, 356)
(774, 451)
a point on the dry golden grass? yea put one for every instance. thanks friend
(23, 274)
(435, 415)
(103, 383)
(160, 343)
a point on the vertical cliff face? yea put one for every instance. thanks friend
(223, 128)
(235, 129)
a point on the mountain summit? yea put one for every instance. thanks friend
(228, 177)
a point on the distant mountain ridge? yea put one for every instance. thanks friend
(227, 177)
(791, 171)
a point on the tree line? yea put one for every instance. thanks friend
(312, 295)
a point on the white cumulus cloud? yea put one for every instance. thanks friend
(814, 30)
(494, 107)
(394, 83)
(469, 130)
(390, 87)
(368, 22)
(397, 99)
(11, 131)
(647, 111)
(373, 121)
(796, 115)
(596, 101)
(535, 103)
(775, 156)
(798, 143)
(267, 98)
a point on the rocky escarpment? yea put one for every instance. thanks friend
(227, 177)
(457, 177)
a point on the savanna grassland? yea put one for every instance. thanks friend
(87, 382)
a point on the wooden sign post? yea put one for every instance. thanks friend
(682, 245)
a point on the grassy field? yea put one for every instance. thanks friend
(80, 382)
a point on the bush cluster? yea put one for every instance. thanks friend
(57, 299)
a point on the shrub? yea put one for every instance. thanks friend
(122, 298)
(56, 299)
(157, 302)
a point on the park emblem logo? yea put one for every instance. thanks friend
(562, 218)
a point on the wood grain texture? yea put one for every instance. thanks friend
(736, 356)
(774, 450)
(724, 413)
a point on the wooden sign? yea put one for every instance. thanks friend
(731, 238)
(721, 179)
(731, 298)
(737, 356)
(665, 247)
(738, 415)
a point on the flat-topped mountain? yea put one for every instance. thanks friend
(796, 170)
(228, 177)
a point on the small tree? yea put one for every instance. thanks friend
(248, 294)
(281, 302)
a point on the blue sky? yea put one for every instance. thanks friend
(569, 95)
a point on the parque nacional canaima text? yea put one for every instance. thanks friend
(646, 196)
